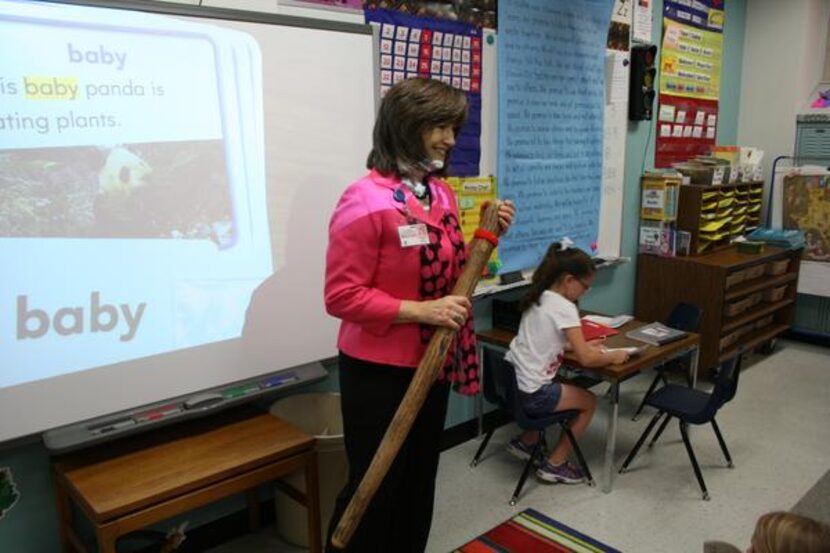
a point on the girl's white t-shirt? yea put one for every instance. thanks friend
(538, 348)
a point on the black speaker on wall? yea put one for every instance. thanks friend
(641, 92)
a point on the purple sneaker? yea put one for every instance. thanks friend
(566, 473)
(517, 448)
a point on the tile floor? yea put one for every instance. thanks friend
(776, 430)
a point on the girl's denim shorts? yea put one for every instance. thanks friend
(543, 401)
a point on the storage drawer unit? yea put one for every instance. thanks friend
(744, 305)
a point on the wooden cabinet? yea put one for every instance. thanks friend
(747, 299)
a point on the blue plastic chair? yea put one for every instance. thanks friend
(499, 383)
(691, 406)
(684, 316)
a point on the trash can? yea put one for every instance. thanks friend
(319, 415)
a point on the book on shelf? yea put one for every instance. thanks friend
(655, 334)
(595, 331)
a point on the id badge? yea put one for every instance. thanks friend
(413, 235)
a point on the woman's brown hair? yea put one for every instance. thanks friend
(410, 108)
(556, 263)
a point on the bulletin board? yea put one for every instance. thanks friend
(409, 46)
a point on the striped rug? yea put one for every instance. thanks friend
(532, 532)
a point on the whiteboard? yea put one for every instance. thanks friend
(314, 100)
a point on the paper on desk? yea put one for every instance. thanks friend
(631, 350)
(613, 322)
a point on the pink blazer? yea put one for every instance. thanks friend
(369, 272)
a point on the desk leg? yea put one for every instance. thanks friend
(480, 395)
(254, 510)
(611, 436)
(693, 363)
(64, 514)
(312, 491)
(107, 535)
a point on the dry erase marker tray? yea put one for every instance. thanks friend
(156, 415)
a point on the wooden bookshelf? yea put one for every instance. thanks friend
(714, 282)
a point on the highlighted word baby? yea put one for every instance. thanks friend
(50, 88)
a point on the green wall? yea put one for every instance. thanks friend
(31, 526)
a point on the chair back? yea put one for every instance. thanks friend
(726, 385)
(495, 387)
(500, 375)
(685, 316)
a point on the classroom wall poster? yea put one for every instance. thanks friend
(806, 206)
(615, 121)
(449, 51)
(690, 61)
(690, 65)
(472, 193)
(686, 127)
(619, 32)
(643, 18)
(551, 109)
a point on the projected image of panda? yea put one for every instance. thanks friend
(171, 190)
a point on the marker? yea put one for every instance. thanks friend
(279, 380)
(203, 401)
(113, 425)
(239, 391)
(158, 413)
(106, 423)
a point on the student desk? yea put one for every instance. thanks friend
(141, 480)
(613, 374)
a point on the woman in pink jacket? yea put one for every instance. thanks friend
(395, 252)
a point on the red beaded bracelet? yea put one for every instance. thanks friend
(486, 235)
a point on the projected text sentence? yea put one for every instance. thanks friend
(71, 88)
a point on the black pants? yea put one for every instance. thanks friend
(399, 516)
